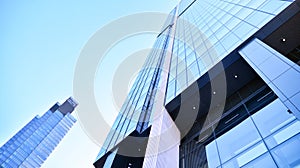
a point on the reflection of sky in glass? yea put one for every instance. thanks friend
(251, 154)
(39, 46)
(243, 145)
(218, 28)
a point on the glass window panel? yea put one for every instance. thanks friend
(171, 88)
(245, 135)
(212, 154)
(255, 3)
(244, 2)
(221, 32)
(188, 49)
(229, 41)
(220, 50)
(244, 30)
(225, 18)
(180, 67)
(251, 154)
(174, 61)
(274, 6)
(232, 23)
(258, 19)
(202, 67)
(195, 35)
(228, 7)
(190, 58)
(201, 49)
(206, 60)
(211, 41)
(216, 26)
(181, 56)
(197, 41)
(292, 87)
(208, 33)
(188, 40)
(283, 134)
(213, 55)
(243, 13)
(181, 79)
(220, 14)
(247, 156)
(287, 154)
(234, 10)
(209, 19)
(141, 100)
(272, 117)
(193, 72)
(205, 27)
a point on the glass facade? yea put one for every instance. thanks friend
(268, 138)
(207, 31)
(258, 127)
(136, 111)
(31, 146)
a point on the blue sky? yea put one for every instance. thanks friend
(39, 47)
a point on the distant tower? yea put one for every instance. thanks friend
(31, 146)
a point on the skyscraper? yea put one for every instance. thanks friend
(31, 146)
(220, 88)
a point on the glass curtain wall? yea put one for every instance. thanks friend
(268, 138)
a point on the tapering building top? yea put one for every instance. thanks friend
(32, 145)
(68, 106)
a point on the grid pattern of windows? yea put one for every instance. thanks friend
(207, 31)
(135, 113)
(31, 146)
(268, 138)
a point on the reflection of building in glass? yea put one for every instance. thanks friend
(31, 146)
(219, 89)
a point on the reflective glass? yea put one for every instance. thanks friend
(258, 19)
(229, 41)
(225, 18)
(212, 154)
(244, 30)
(255, 3)
(232, 23)
(273, 6)
(283, 134)
(221, 32)
(180, 67)
(234, 10)
(190, 58)
(245, 133)
(193, 71)
(287, 154)
(292, 87)
(272, 117)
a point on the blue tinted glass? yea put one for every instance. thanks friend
(212, 155)
(247, 135)
(221, 32)
(234, 10)
(274, 6)
(287, 154)
(229, 41)
(232, 23)
(272, 117)
(283, 134)
(244, 30)
(255, 3)
(258, 19)
(190, 58)
(193, 71)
